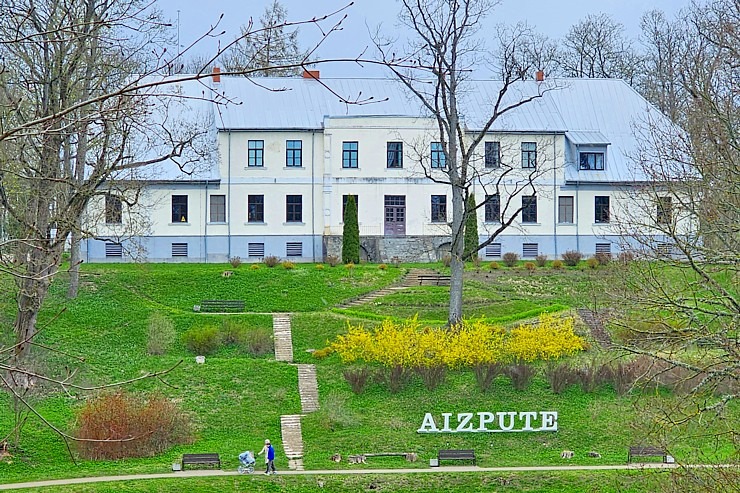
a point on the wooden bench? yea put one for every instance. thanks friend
(646, 451)
(220, 306)
(201, 459)
(433, 280)
(456, 455)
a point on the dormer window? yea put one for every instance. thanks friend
(591, 161)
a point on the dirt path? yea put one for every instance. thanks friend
(444, 469)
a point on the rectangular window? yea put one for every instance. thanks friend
(601, 210)
(529, 208)
(438, 155)
(439, 208)
(218, 209)
(493, 250)
(529, 155)
(113, 209)
(113, 250)
(592, 161)
(530, 250)
(255, 208)
(293, 208)
(179, 249)
(294, 153)
(255, 153)
(349, 155)
(179, 208)
(345, 198)
(493, 208)
(395, 155)
(256, 249)
(664, 210)
(294, 249)
(565, 209)
(493, 155)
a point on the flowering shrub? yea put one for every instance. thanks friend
(469, 344)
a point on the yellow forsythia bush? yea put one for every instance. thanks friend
(469, 344)
(551, 338)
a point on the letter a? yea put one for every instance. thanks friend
(428, 425)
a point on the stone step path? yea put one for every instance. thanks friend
(410, 279)
(290, 427)
(282, 337)
(594, 321)
(308, 388)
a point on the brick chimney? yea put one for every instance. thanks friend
(311, 74)
(216, 75)
(540, 75)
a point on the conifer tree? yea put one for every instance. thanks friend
(471, 228)
(350, 233)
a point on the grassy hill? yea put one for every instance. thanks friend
(235, 400)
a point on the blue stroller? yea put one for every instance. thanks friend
(247, 462)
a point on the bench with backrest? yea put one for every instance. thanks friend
(456, 455)
(220, 306)
(646, 451)
(201, 459)
(433, 280)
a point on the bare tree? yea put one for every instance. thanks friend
(683, 312)
(273, 49)
(596, 47)
(444, 50)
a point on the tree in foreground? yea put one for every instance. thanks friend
(680, 305)
(443, 50)
(350, 233)
(471, 228)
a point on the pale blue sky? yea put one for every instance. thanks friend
(551, 17)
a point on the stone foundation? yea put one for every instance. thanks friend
(386, 249)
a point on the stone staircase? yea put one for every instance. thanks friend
(308, 388)
(282, 337)
(410, 279)
(594, 321)
(292, 436)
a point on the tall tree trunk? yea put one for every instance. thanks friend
(74, 263)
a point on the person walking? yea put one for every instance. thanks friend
(269, 452)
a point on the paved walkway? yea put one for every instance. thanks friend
(443, 469)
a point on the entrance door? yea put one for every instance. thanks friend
(395, 215)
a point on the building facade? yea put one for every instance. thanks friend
(288, 158)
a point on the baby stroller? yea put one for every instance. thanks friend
(247, 462)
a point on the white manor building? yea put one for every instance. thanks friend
(287, 160)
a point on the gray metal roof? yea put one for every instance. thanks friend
(588, 111)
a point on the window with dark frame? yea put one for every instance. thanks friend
(345, 198)
(439, 160)
(218, 209)
(565, 209)
(179, 208)
(255, 208)
(439, 208)
(395, 155)
(350, 155)
(529, 208)
(529, 155)
(592, 161)
(493, 154)
(113, 209)
(294, 153)
(664, 212)
(601, 210)
(293, 208)
(255, 153)
(493, 208)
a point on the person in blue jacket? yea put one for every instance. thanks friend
(270, 457)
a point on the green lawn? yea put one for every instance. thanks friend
(236, 400)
